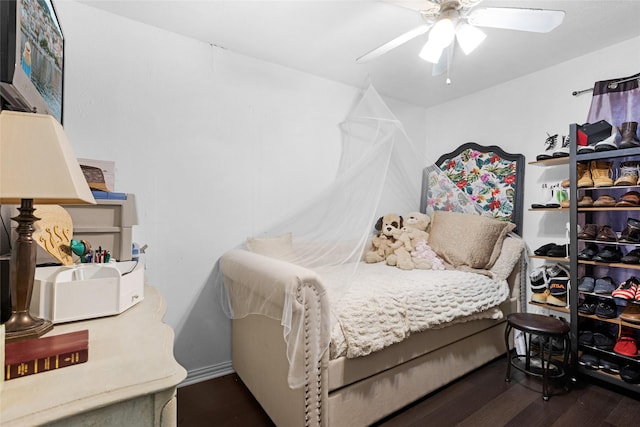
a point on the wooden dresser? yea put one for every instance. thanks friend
(130, 378)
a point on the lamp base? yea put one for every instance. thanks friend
(22, 326)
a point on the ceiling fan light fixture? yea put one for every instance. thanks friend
(443, 32)
(431, 52)
(469, 37)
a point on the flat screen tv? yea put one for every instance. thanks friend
(31, 57)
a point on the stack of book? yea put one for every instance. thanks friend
(37, 355)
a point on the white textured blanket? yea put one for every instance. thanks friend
(384, 305)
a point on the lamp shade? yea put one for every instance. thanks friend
(37, 162)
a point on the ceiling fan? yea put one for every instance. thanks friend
(449, 20)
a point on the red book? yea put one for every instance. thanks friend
(37, 355)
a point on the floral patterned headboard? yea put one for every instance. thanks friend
(491, 177)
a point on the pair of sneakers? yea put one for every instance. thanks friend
(549, 285)
(628, 290)
(553, 149)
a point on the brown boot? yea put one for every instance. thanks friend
(584, 175)
(628, 131)
(601, 173)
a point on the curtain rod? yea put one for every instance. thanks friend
(611, 85)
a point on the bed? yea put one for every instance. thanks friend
(358, 383)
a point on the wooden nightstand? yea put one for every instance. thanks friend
(130, 378)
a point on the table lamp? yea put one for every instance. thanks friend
(37, 165)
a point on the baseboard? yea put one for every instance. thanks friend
(207, 373)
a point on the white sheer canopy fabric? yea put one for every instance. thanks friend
(380, 172)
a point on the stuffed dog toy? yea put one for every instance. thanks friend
(384, 243)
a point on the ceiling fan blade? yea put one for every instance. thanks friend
(381, 50)
(534, 20)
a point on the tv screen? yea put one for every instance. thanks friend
(31, 57)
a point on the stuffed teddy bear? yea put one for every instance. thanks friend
(416, 227)
(384, 243)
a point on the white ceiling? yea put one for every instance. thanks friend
(324, 37)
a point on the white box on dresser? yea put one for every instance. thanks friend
(86, 291)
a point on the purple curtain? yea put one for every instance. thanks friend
(616, 101)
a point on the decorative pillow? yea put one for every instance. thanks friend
(467, 239)
(275, 247)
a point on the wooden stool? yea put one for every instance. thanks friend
(547, 329)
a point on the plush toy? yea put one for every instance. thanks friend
(384, 243)
(416, 227)
(425, 258)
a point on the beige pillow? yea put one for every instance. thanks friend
(275, 247)
(467, 239)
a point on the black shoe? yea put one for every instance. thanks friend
(542, 250)
(586, 338)
(550, 146)
(630, 374)
(632, 257)
(558, 251)
(589, 361)
(609, 366)
(609, 253)
(606, 309)
(603, 341)
(631, 234)
(589, 305)
(588, 252)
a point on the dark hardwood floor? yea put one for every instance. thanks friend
(482, 398)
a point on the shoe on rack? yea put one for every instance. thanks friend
(540, 297)
(627, 289)
(603, 341)
(631, 313)
(604, 201)
(558, 287)
(607, 144)
(563, 149)
(609, 253)
(631, 233)
(633, 257)
(589, 361)
(630, 374)
(628, 174)
(588, 232)
(556, 270)
(586, 284)
(601, 173)
(583, 175)
(559, 251)
(606, 309)
(630, 199)
(542, 250)
(558, 301)
(589, 251)
(563, 197)
(550, 146)
(585, 201)
(609, 366)
(629, 135)
(538, 279)
(604, 286)
(585, 338)
(606, 234)
(565, 183)
(588, 306)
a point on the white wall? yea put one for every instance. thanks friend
(518, 114)
(216, 146)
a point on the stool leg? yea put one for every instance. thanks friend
(545, 368)
(507, 331)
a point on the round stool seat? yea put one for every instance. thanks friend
(538, 324)
(537, 360)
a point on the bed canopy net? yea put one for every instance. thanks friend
(380, 172)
